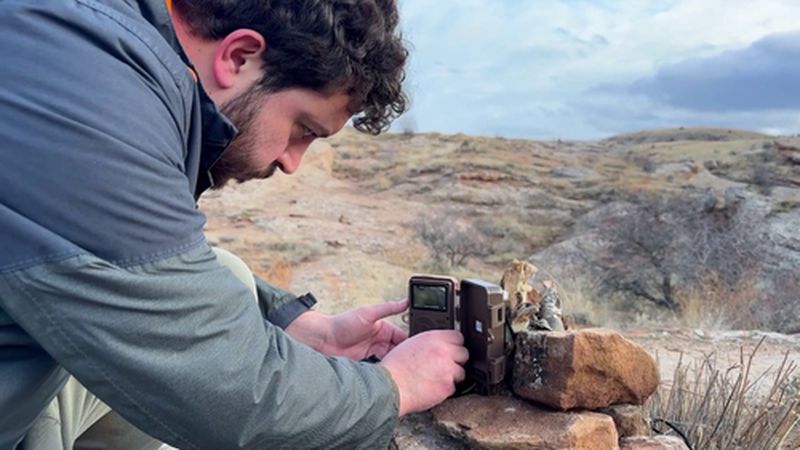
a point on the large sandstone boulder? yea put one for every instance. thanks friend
(590, 369)
(508, 423)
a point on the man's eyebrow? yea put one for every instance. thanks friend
(319, 129)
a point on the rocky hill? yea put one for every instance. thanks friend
(670, 235)
(348, 225)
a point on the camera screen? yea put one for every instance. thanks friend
(429, 297)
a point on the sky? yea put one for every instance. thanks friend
(581, 69)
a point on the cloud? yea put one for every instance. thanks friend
(763, 76)
(591, 68)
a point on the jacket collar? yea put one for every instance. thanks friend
(217, 130)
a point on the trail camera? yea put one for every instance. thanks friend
(478, 309)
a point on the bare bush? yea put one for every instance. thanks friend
(763, 177)
(668, 245)
(649, 165)
(782, 310)
(729, 408)
(713, 303)
(450, 238)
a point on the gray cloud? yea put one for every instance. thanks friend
(763, 76)
(594, 42)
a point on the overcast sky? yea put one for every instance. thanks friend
(585, 69)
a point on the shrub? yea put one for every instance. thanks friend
(763, 178)
(667, 245)
(732, 408)
(450, 238)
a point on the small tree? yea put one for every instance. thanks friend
(667, 243)
(639, 257)
(450, 238)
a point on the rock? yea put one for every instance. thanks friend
(677, 168)
(515, 282)
(419, 432)
(592, 368)
(652, 443)
(793, 157)
(573, 172)
(504, 422)
(629, 419)
(530, 309)
(485, 176)
(707, 180)
(550, 315)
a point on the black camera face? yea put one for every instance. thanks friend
(433, 303)
(433, 298)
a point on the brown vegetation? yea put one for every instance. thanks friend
(718, 408)
(684, 253)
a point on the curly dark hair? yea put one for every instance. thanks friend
(323, 45)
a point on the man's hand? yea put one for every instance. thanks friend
(356, 334)
(426, 367)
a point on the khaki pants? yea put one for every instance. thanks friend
(77, 419)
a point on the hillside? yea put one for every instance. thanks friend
(345, 226)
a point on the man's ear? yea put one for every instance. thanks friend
(237, 60)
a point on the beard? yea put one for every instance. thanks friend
(237, 161)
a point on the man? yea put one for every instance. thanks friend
(108, 137)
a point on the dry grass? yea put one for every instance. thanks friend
(700, 151)
(730, 408)
(716, 305)
(293, 251)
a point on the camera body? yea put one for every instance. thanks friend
(475, 307)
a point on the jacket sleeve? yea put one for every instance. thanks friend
(277, 305)
(178, 347)
(104, 262)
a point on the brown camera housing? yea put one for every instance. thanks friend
(477, 309)
(483, 324)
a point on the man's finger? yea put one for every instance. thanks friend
(373, 313)
(398, 335)
(461, 356)
(449, 336)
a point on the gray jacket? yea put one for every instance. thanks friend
(105, 274)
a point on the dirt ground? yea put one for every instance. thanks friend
(728, 348)
(316, 232)
(351, 246)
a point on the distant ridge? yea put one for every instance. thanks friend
(686, 134)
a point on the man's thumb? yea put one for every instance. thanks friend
(378, 311)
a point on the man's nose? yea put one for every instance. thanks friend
(290, 160)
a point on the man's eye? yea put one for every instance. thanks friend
(307, 132)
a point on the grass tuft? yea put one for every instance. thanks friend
(731, 408)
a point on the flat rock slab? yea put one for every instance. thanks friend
(589, 369)
(630, 420)
(509, 423)
(653, 443)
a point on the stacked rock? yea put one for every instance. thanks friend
(573, 389)
(584, 390)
